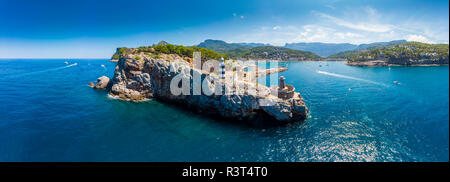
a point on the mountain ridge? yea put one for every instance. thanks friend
(256, 51)
(332, 50)
(321, 49)
(328, 49)
(364, 47)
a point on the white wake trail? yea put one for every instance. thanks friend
(349, 77)
(47, 70)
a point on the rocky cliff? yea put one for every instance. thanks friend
(140, 76)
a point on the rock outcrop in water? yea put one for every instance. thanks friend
(140, 76)
(102, 83)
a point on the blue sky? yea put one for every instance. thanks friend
(93, 29)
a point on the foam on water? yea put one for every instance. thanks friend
(44, 71)
(349, 77)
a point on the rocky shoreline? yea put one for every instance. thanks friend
(139, 77)
(383, 63)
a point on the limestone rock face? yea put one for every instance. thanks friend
(102, 82)
(148, 78)
(287, 109)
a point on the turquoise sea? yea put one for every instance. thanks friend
(48, 113)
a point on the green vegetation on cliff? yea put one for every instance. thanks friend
(345, 54)
(256, 51)
(279, 53)
(364, 47)
(166, 48)
(223, 47)
(232, 50)
(404, 51)
(118, 52)
(261, 52)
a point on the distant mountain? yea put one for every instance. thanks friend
(380, 44)
(311, 50)
(321, 49)
(411, 53)
(222, 46)
(365, 47)
(232, 50)
(251, 44)
(279, 53)
(327, 49)
(162, 42)
(256, 50)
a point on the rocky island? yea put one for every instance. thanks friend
(403, 54)
(148, 72)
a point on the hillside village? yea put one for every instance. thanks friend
(413, 53)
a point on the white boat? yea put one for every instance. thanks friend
(396, 82)
(66, 62)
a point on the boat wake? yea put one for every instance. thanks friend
(47, 70)
(349, 77)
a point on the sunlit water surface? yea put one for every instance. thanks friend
(48, 113)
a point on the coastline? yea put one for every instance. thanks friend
(379, 63)
(140, 77)
(398, 65)
(116, 97)
(269, 60)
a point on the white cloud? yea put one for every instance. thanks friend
(279, 35)
(331, 7)
(370, 27)
(313, 33)
(372, 13)
(365, 26)
(347, 35)
(418, 38)
(240, 16)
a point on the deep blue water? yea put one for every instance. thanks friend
(48, 113)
